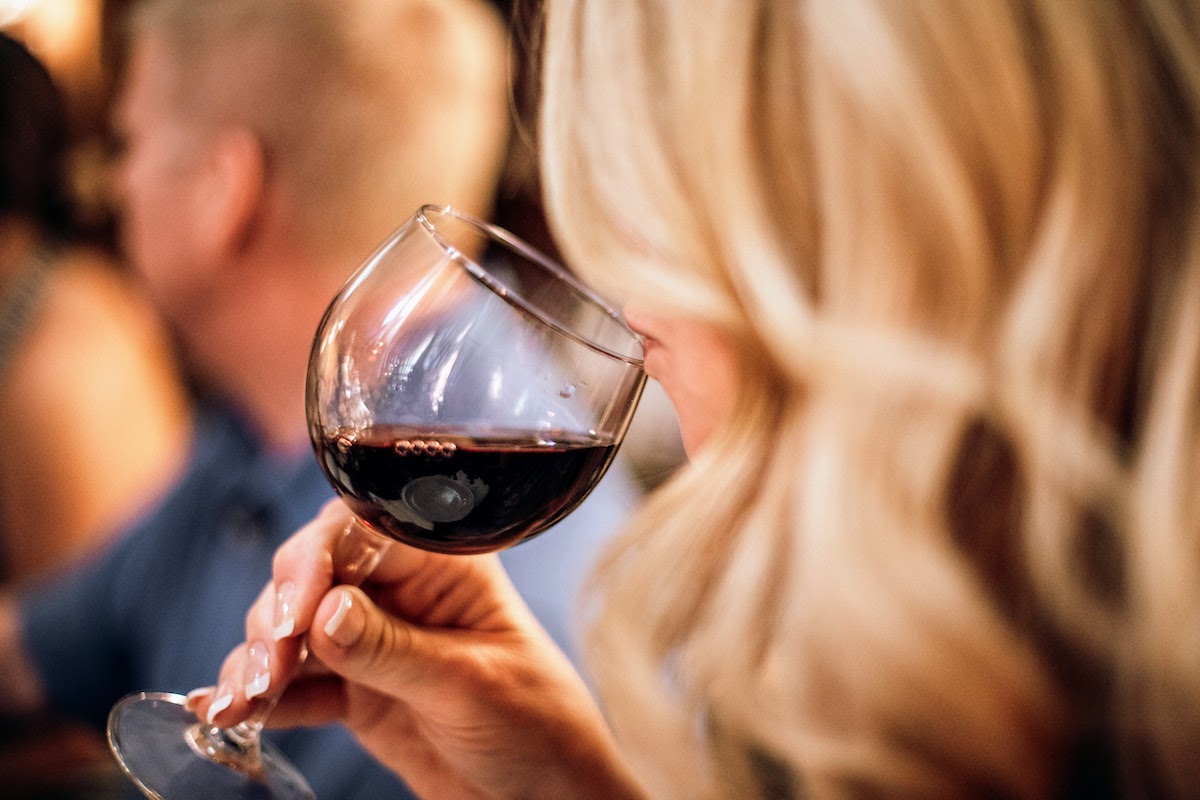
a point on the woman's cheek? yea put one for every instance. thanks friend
(698, 377)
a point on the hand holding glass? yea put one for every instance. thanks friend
(464, 394)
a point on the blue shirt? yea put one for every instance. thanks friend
(162, 607)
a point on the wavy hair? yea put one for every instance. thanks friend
(948, 544)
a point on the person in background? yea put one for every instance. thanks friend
(270, 146)
(91, 401)
(921, 280)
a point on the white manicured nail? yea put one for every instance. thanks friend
(285, 612)
(258, 670)
(339, 616)
(196, 695)
(223, 701)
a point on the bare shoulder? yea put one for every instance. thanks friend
(90, 287)
(96, 355)
(93, 311)
(103, 413)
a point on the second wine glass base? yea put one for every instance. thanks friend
(164, 751)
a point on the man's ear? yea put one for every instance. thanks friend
(232, 192)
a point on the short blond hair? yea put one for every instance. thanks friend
(366, 108)
(951, 535)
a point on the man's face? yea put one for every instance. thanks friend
(159, 182)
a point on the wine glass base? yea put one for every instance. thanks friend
(170, 755)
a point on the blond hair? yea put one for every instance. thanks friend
(948, 544)
(366, 109)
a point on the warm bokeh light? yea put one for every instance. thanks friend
(13, 11)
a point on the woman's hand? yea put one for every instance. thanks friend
(435, 664)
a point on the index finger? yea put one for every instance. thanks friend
(303, 570)
(337, 548)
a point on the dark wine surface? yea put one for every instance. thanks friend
(454, 493)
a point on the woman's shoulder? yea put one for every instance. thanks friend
(88, 286)
(92, 310)
(101, 411)
(97, 358)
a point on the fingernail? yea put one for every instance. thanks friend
(196, 695)
(335, 628)
(258, 670)
(285, 612)
(223, 701)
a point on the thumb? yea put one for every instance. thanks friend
(364, 644)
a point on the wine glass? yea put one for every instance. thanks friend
(464, 393)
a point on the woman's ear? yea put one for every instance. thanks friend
(232, 191)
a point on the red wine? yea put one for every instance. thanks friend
(454, 493)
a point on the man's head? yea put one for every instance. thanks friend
(304, 127)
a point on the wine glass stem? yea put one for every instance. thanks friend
(356, 553)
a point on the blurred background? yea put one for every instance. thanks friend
(78, 42)
(81, 43)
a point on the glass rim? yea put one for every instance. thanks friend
(522, 248)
